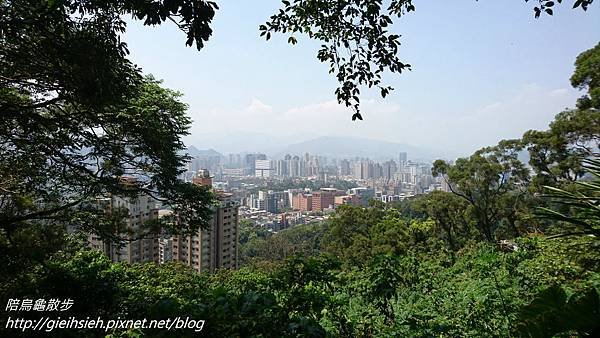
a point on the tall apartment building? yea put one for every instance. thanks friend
(302, 202)
(344, 168)
(389, 169)
(263, 168)
(294, 167)
(217, 246)
(402, 158)
(250, 161)
(282, 168)
(132, 249)
(270, 200)
(323, 199)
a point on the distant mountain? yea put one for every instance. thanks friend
(349, 147)
(195, 152)
(330, 146)
(244, 141)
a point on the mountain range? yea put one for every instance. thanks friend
(331, 146)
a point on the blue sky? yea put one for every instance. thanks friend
(481, 72)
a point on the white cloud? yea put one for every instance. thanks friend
(530, 107)
(258, 107)
(321, 109)
(438, 126)
(560, 92)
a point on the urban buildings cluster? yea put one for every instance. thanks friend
(249, 178)
(393, 179)
(207, 250)
(242, 185)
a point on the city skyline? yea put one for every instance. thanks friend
(333, 147)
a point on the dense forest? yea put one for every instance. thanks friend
(511, 250)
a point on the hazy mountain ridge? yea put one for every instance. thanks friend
(195, 152)
(331, 146)
(245, 141)
(349, 147)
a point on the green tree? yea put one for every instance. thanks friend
(491, 181)
(350, 232)
(556, 154)
(448, 211)
(587, 77)
(78, 118)
(356, 39)
(582, 204)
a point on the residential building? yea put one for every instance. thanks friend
(217, 246)
(134, 247)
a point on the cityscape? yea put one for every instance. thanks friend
(299, 168)
(266, 193)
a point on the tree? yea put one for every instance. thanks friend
(77, 116)
(448, 210)
(80, 121)
(357, 42)
(556, 154)
(487, 180)
(58, 156)
(587, 76)
(582, 204)
(350, 232)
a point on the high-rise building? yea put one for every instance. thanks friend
(263, 168)
(250, 161)
(282, 168)
(323, 199)
(268, 201)
(217, 246)
(403, 158)
(389, 169)
(135, 246)
(302, 202)
(357, 171)
(345, 168)
(294, 167)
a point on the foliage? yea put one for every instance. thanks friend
(357, 44)
(406, 286)
(449, 212)
(357, 40)
(587, 76)
(259, 245)
(546, 6)
(553, 312)
(492, 182)
(77, 116)
(79, 121)
(556, 155)
(309, 184)
(582, 203)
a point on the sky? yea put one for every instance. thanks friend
(482, 71)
